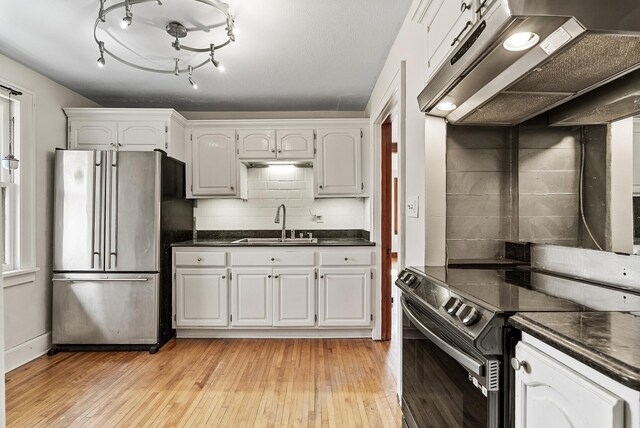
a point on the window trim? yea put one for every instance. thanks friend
(24, 263)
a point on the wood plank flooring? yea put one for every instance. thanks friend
(211, 382)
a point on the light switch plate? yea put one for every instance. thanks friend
(413, 206)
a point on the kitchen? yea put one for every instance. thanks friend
(230, 247)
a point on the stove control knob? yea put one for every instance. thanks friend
(452, 305)
(468, 315)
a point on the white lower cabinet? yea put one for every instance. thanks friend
(550, 394)
(294, 303)
(251, 297)
(201, 296)
(248, 292)
(344, 297)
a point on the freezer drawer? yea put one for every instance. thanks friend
(105, 309)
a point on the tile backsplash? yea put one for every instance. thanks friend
(267, 189)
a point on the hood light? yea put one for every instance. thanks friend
(446, 106)
(521, 41)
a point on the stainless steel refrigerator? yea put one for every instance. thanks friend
(115, 217)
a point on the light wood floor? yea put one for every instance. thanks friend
(220, 383)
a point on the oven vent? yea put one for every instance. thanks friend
(493, 375)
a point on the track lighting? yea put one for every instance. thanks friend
(101, 61)
(191, 81)
(128, 17)
(122, 12)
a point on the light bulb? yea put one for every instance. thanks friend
(101, 62)
(521, 41)
(126, 21)
(446, 106)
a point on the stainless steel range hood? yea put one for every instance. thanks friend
(583, 45)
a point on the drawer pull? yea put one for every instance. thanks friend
(273, 259)
(346, 259)
(199, 259)
(461, 33)
(464, 7)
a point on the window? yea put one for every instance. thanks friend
(10, 180)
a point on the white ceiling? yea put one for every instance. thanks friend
(289, 55)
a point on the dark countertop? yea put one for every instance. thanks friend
(606, 341)
(322, 242)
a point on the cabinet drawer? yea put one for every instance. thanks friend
(346, 259)
(273, 259)
(200, 258)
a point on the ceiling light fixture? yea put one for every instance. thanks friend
(189, 57)
(521, 41)
(446, 106)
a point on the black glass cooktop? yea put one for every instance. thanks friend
(519, 290)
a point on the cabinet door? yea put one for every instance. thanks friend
(92, 135)
(549, 394)
(201, 298)
(338, 168)
(214, 168)
(344, 298)
(294, 303)
(149, 135)
(257, 143)
(447, 24)
(295, 144)
(251, 298)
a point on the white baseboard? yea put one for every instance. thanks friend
(27, 351)
(272, 333)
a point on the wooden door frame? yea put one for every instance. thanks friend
(386, 240)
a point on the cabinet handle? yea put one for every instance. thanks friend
(461, 32)
(321, 276)
(199, 259)
(321, 186)
(517, 364)
(465, 6)
(277, 276)
(279, 151)
(272, 259)
(482, 5)
(232, 187)
(269, 276)
(346, 259)
(224, 277)
(273, 150)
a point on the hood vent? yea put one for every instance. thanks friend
(581, 48)
(617, 100)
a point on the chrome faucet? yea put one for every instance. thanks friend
(284, 220)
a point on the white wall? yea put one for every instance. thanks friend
(425, 158)
(270, 187)
(27, 307)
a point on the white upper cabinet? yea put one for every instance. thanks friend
(257, 143)
(147, 135)
(294, 303)
(338, 167)
(214, 167)
(550, 394)
(448, 22)
(344, 297)
(127, 130)
(92, 134)
(295, 144)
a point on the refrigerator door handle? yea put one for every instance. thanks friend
(96, 243)
(113, 212)
(101, 280)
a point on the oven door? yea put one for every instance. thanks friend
(444, 381)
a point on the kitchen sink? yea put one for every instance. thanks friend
(275, 241)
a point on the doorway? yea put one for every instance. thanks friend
(389, 222)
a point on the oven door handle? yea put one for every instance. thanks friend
(469, 363)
